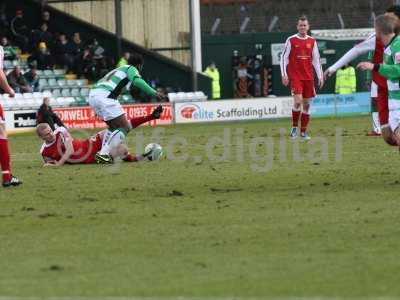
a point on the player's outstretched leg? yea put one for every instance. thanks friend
(118, 129)
(305, 119)
(296, 112)
(8, 179)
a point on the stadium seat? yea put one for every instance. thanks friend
(65, 93)
(75, 92)
(48, 73)
(8, 64)
(43, 83)
(59, 72)
(84, 92)
(71, 82)
(62, 83)
(27, 95)
(52, 82)
(56, 93)
(82, 82)
(47, 94)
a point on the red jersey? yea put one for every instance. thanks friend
(299, 57)
(378, 59)
(84, 150)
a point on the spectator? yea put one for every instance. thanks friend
(63, 52)
(46, 114)
(32, 78)
(17, 81)
(86, 65)
(213, 73)
(77, 49)
(123, 61)
(97, 50)
(4, 24)
(20, 30)
(46, 18)
(43, 35)
(42, 58)
(10, 52)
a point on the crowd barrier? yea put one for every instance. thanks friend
(204, 111)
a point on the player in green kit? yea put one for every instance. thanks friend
(103, 99)
(390, 69)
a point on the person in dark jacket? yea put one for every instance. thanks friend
(46, 114)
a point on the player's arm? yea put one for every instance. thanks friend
(137, 81)
(69, 150)
(284, 62)
(359, 49)
(316, 61)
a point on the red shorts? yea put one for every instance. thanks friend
(2, 116)
(303, 87)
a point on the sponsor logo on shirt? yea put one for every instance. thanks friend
(397, 58)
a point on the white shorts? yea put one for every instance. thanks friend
(104, 107)
(394, 119)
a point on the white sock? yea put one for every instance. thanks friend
(375, 123)
(115, 138)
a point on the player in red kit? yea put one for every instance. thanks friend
(5, 160)
(61, 148)
(298, 60)
(379, 88)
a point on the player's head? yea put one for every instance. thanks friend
(44, 131)
(385, 26)
(136, 60)
(303, 26)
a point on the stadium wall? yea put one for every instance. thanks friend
(163, 25)
(220, 49)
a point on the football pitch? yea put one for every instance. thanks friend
(261, 217)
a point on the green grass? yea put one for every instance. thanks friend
(207, 229)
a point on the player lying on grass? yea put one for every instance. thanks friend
(61, 148)
(103, 99)
(385, 26)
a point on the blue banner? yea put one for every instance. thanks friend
(339, 105)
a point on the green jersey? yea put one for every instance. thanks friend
(123, 77)
(391, 68)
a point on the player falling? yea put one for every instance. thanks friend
(103, 99)
(60, 148)
(385, 26)
(298, 59)
(379, 88)
(5, 160)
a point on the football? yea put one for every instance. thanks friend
(153, 151)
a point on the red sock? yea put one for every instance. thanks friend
(5, 160)
(383, 111)
(135, 122)
(295, 117)
(305, 118)
(130, 158)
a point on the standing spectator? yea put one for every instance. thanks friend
(124, 59)
(64, 52)
(77, 49)
(300, 56)
(42, 35)
(213, 73)
(42, 57)
(17, 81)
(346, 81)
(32, 78)
(86, 65)
(20, 30)
(46, 114)
(10, 52)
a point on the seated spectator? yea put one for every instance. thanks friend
(97, 50)
(86, 65)
(32, 78)
(20, 30)
(123, 61)
(64, 52)
(42, 35)
(46, 114)
(10, 52)
(17, 81)
(42, 57)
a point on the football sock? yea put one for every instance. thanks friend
(295, 116)
(5, 160)
(135, 122)
(375, 123)
(305, 118)
(116, 138)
